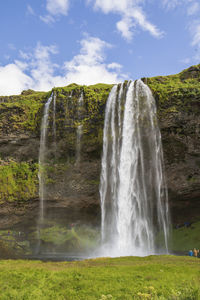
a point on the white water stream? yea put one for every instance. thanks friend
(133, 192)
(79, 131)
(54, 123)
(42, 156)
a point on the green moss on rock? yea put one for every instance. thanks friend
(18, 181)
(177, 93)
(21, 113)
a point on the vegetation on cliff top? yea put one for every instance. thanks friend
(174, 93)
(124, 278)
(177, 93)
(24, 112)
(21, 113)
(90, 115)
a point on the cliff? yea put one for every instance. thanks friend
(178, 104)
(72, 188)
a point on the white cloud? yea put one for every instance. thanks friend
(30, 10)
(47, 19)
(140, 18)
(42, 69)
(193, 9)
(125, 27)
(131, 14)
(24, 55)
(191, 6)
(37, 71)
(55, 8)
(11, 46)
(195, 33)
(171, 4)
(186, 60)
(195, 29)
(89, 66)
(13, 80)
(114, 66)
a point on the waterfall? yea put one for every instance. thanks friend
(54, 122)
(134, 202)
(42, 152)
(79, 131)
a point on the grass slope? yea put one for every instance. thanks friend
(153, 277)
(185, 238)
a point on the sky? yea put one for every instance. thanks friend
(48, 43)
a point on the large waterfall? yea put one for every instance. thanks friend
(133, 192)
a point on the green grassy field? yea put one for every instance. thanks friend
(153, 277)
(185, 238)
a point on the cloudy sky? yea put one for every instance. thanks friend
(47, 43)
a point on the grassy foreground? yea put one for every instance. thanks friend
(153, 277)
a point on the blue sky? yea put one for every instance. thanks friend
(47, 43)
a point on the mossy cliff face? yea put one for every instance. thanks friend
(178, 104)
(71, 189)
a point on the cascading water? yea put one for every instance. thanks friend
(42, 152)
(54, 122)
(79, 131)
(133, 192)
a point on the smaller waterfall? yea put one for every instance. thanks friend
(79, 131)
(133, 192)
(42, 152)
(54, 120)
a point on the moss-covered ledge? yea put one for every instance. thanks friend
(177, 93)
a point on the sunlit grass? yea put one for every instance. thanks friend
(154, 277)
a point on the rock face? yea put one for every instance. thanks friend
(72, 188)
(178, 101)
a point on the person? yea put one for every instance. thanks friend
(190, 253)
(195, 251)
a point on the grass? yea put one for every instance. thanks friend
(186, 238)
(153, 277)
